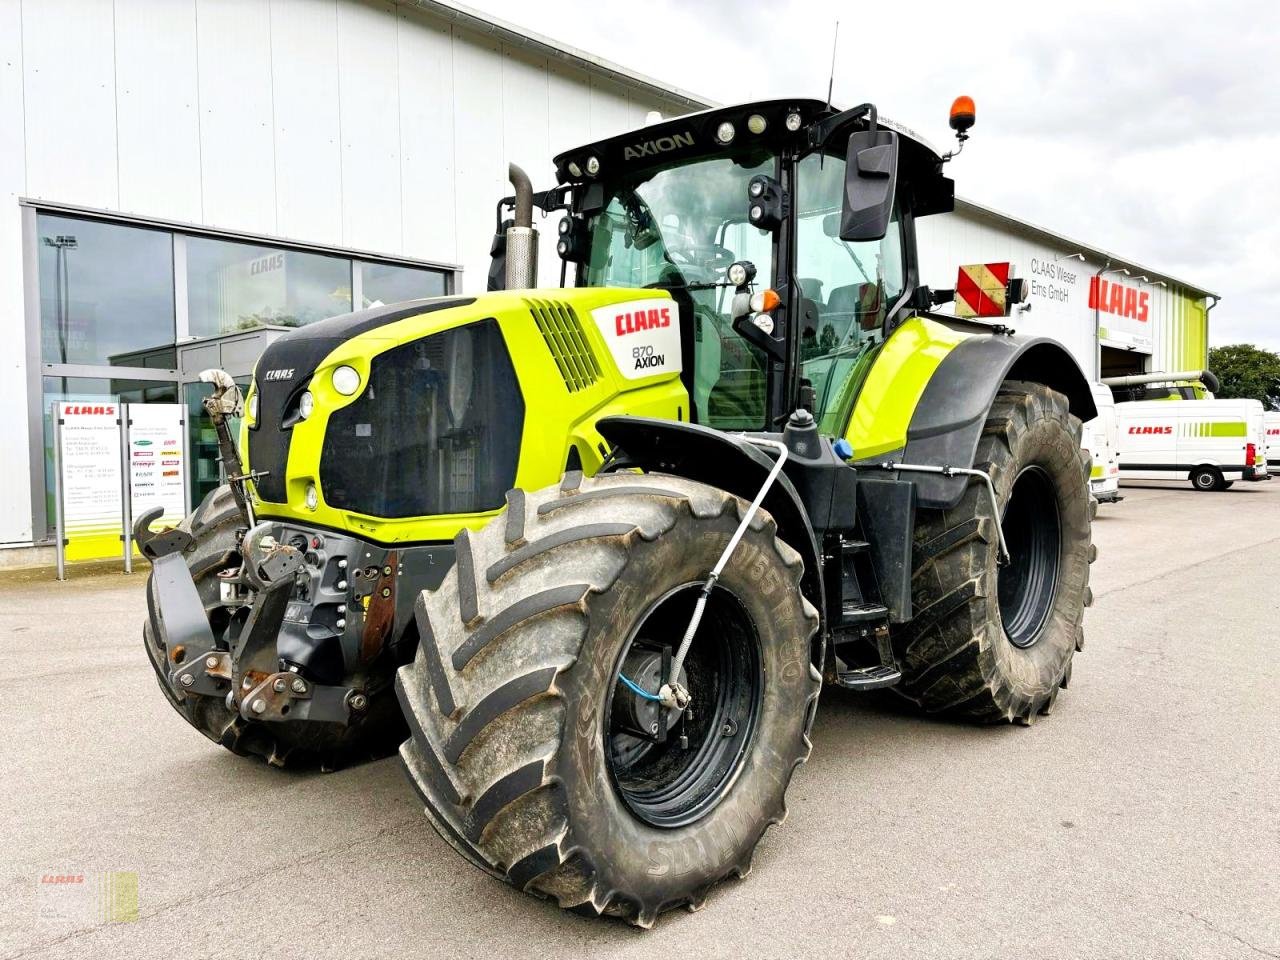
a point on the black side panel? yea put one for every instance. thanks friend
(887, 512)
(283, 371)
(721, 460)
(349, 325)
(949, 418)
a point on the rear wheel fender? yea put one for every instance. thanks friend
(948, 420)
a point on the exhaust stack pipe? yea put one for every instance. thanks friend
(522, 238)
(1204, 376)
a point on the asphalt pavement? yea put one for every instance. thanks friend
(1141, 819)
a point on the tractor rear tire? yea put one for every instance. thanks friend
(992, 643)
(329, 746)
(512, 696)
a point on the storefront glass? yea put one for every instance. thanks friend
(391, 283)
(202, 439)
(238, 286)
(116, 294)
(106, 293)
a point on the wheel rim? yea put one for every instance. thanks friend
(1204, 480)
(666, 784)
(1033, 532)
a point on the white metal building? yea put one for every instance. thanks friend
(1115, 315)
(180, 178)
(177, 169)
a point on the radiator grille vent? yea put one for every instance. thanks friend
(558, 323)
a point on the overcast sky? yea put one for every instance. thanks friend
(1151, 130)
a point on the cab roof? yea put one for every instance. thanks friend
(694, 136)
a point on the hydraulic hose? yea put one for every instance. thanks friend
(671, 689)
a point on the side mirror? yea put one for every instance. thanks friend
(870, 180)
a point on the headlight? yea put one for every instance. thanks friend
(306, 404)
(756, 123)
(793, 122)
(593, 165)
(251, 411)
(313, 497)
(346, 380)
(724, 132)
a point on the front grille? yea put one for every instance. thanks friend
(560, 328)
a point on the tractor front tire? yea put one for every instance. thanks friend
(515, 694)
(994, 642)
(329, 746)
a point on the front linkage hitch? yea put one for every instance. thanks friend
(250, 676)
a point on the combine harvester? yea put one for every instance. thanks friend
(601, 545)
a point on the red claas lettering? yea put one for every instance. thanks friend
(1112, 297)
(635, 321)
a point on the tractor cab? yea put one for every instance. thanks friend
(760, 201)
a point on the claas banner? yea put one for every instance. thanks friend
(982, 290)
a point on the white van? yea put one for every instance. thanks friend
(1272, 421)
(1212, 443)
(1100, 440)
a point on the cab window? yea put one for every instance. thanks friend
(846, 289)
(679, 228)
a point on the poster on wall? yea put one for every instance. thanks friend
(89, 458)
(157, 459)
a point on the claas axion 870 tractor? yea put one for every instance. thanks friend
(590, 553)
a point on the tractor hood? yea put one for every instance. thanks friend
(405, 423)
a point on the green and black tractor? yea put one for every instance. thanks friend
(588, 554)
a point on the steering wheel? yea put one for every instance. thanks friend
(708, 256)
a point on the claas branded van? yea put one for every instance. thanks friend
(1100, 440)
(1272, 420)
(1212, 443)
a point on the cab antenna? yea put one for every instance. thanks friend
(831, 79)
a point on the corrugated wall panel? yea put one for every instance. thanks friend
(479, 156)
(69, 71)
(237, 152)
(15, 484)
(610, 109)
(427, 167)
(308, 134)
(157, 98)
(369, 95)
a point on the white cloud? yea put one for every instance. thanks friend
(1151, 130)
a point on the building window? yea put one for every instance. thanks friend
(237, 286)
(106, 293)
(120, 299)
(391, 283)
